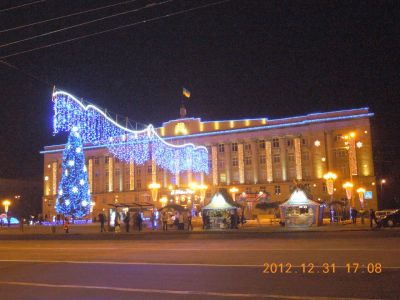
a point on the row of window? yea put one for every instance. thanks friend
(261, 144)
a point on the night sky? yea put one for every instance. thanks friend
(241, 58)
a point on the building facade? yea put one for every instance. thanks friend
(251, 155)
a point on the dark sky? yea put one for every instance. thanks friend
(242, 58)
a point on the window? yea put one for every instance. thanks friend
(291, 157)
(138, 171)
(276, 158)
(209, 164)
(324, 189)
(275, 143)
(292, 173)
(117, 172)
(149, 169)
(222, 177)
(221, 164)
(106, 180)
(305, 156)
(117, 160)
(106, 159)
(289, 143)
(306, 173)
(247, 160)
(234, 147)
(261, 144)
(277, 189)
(340, 153)
(96, 160)
(263, 189)
(221, 148)
(303, 141)
(262, 160)
(248, 190)
(235, 161)
(138, 184)
(247, 147)
(338, 138)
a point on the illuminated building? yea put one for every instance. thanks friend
(252, 155)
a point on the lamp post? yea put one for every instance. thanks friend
(233, 191)
(361, 192)
(330, 179)
(6, 203)
(154, 186)
(382, 182)
(348, 186)
(202, 188)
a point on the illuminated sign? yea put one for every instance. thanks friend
(180, 128)
(368, 195)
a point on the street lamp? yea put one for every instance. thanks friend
(233, 191)
(6, 204)
(154, 186)
(202, 188)
(330, 179)
(348, 186)
(382, 182)
(361, 192)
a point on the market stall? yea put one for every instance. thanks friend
(220, 213)
(300, 211)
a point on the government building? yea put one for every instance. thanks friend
(248, 157)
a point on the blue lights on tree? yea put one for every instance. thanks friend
(127, 145)
(73, 192)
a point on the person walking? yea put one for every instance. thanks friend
(139, 221)
(164, 218)
(102, 220)
(354, 215)
(189, 218)
(66, 225)
(372, 218)
(180, 224)
(153, 220)
(127, 221)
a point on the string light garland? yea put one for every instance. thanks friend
(128, 145)
(73, 192)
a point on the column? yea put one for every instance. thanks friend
(353, 157)
(241, 162)
(54, 166)
(328, 150)
(228, 162)
(153, 169)
(214, 164)
(131, 175)
(282, 148)
(110, 173)
(254, 160)
(268, 160)
(297, 157)
(90, 175)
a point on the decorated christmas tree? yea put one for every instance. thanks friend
(73, 192)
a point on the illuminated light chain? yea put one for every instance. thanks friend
(127, 145)
(73, 199)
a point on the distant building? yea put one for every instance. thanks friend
(251, 155)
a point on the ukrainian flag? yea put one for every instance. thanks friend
(186, 92)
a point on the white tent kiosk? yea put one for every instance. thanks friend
(217, 212)
(300, 211)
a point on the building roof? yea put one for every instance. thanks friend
(218, 201)
(299, 197)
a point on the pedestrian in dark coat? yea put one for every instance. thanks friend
(102, 220)
(372, 218)
(139, 221)
(127, 221)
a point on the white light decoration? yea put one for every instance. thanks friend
(66, 172)
(81, 182)
(317, 143)
(78, 150)
(359, 144)
(74, 189)
(241, 162)
(54, 178)
(84, 203)
(71, 163)
(60, 192)
(268, 158)
(127, 145)
(352, 156)
(67, 202)
(297, 153)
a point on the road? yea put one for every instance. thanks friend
(198, 267)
